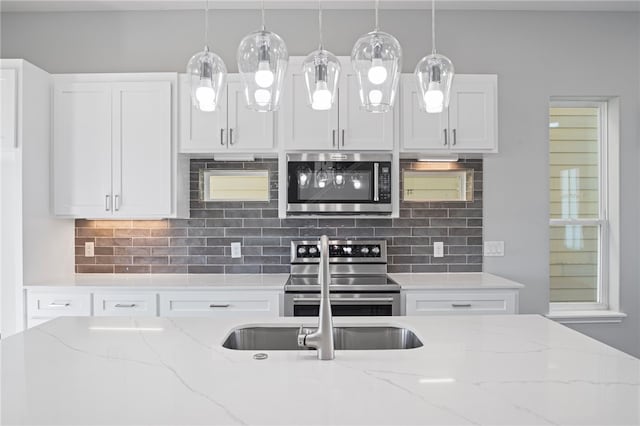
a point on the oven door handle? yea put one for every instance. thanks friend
(343, 301)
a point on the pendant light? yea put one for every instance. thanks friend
(376, 59)
(434, 75)
(207, 73)
(262, 63)
(321, 71)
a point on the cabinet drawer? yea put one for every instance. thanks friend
(125, 304)
(213, 304)
(480, 303)
(54, 304)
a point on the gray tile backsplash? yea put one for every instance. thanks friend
(201, 244)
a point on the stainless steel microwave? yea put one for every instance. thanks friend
(339, 183)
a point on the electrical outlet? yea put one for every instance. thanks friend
(236, 250)
(438, 249)
(89, 249)
(494, 248)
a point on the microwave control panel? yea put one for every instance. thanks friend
(385, 182)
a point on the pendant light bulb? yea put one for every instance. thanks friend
(321, 97)
(434, 75)
(264, 75)
(376, 59)
(207, 73)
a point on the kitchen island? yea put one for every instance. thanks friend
(487, 370)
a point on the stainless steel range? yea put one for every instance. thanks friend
(359, 283)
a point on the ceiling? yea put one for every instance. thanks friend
(115, 5)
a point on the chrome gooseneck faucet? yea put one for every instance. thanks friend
(322, 338)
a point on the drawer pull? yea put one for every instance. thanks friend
(125, 305)
(59, 305)
(461, 305)
(219, 305)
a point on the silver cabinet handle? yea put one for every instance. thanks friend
(107, 205)
(454, 137)
(219, 305)
(461, 305)
(59, 305)
(125, 305)
(230, 136)
(222, 137)
(116, 203)
(342, 137)
(333, 136)
(446, 142)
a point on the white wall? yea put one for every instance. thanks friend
(535, 54)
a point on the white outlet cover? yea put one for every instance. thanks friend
(236, 250)
(438, 249)
(89, 249)
(494, 248)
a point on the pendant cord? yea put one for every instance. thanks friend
(264, 25)
(206, 22)
(377, 28)
(433, 26)
(320, 24)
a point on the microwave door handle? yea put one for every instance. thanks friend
(376, 189)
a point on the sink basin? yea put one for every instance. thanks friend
(345, 338)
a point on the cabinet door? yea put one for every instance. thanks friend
(361, 130)
(473, 117)
(249, 130)
(201, 132)
(420, 131)
(482, 302)
(219, 304)
(8, 109)
(82, 149)
(301, 127)
(142, 149)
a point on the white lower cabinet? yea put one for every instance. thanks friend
(218, 304)
(468, 302)
(116, 304)
(45, 306)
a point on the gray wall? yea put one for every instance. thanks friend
(535, 54)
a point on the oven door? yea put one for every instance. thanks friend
(343, 304)
(335, 183)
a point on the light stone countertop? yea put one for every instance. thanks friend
(454, 281)
(480, 370)
(416, 281)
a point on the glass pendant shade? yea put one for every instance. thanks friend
(434, 75)
(262, 63)
(321, 71)
(208, 75)
(377, 60)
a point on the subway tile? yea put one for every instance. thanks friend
(375, 223)
(280, 232)
(222, 241)
(169, 251)
(80, 241)
(113, 260)
(95, 232)
(186, 223)
(404, 260)
(187, 241)
(477, 213)
(243, 232)
(391, 232)
(84, 223)
(336, 223)
(206, 232)
(246, 251)
(205, 269)
(468, 232)
(391, 250)
(242, 269)
(411, 241)
(149, 223)
(131, 251)
(100, 269)
(81, 260)
(112, 242)
(221, 223)
(317, 232)
(450, 259)
(169, 232)
(354, 232)
(429, 213)
(258, 223)
(415, 222)
(276, 269)
(474, 241)
(188, 260)
(269, 213)
(223, 260)
(150, 241)
(238, 212)
(132, 232)
(398, 269)
(169, 269)
(112, 223)
(206, 251)
(150, 260)
(262, 260)
(465, 268)
(465, 250)
(474, 259)
(249, 241)
(299, 223)
(430, 232)
(448, 223)
(279, 251)
(132, 269)
(428, 268)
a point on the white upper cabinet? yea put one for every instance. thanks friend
(8, 109)
(231, 128)
(344, 127)
(113, 150)
(470, 125)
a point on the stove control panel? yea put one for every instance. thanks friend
(353, 251)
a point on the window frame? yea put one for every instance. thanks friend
(607, 222)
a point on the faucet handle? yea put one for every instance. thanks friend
(302, 337)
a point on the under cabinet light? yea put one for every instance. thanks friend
(442, 158)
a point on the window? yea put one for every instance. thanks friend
(582, 259)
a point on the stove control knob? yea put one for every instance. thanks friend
(364, 250)
(302, 250)
(375, 250)
(346, 250)
(313, 250)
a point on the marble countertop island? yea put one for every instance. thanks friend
(472, 370)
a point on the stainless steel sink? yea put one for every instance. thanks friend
(267, 338)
